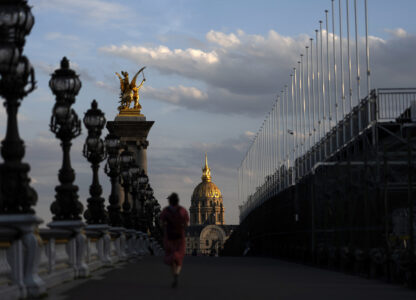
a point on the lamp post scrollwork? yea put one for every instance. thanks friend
(94, 152)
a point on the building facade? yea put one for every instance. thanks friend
(208, 232)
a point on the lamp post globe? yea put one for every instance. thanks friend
(65, 83)
(16, 22)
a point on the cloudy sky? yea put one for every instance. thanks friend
(213, 70)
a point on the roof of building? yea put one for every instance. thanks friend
(206, 189)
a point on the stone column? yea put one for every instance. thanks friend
(132, 131)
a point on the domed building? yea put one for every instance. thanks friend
(206, 202)
(208, 232)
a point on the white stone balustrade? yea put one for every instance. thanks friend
(59, 255)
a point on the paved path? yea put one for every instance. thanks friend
(226, 278)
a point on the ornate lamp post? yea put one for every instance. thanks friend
(147, 207)
(65, 85)
(94, 152)
(143, 181)
(112, 169)
(17, 81)
(126, 159)
(157, 229)
(135, 174)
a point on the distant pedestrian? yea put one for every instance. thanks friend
(174, 219)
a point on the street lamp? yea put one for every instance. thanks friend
(17, 81)
(94, 152)
(112, 169)
(65, 85)
(143, 181)
(135, 174)
(147, 206)
(126, 160)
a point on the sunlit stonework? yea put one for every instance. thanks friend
(208, 232)
(206, 202)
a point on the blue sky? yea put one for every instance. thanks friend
(213, 69)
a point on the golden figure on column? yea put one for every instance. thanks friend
(129, 92)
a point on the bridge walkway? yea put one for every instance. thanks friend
(226, 278)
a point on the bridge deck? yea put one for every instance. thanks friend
(226, 278)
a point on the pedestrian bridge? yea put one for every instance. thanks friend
(224, 278)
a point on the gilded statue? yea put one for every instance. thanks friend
(130, 91)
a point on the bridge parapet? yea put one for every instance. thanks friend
(59, 250)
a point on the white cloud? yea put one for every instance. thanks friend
(397, 32)
(252, 65)
(170, 61)
(241, 73)
(249, 134)
(222, 39)
(177, 95)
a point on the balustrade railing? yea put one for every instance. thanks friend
(59, 253)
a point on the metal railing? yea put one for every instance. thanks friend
(382, 105)
(394, 104)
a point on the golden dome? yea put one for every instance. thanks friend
(206, 202)
(206, 189)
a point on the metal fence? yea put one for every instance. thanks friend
(382, 105)
(394, 104)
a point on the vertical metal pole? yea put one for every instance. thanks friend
(328, 70)
(286, 129)
(277, 143)
(266, 154)
(357, 62)
(309, 97)
(318, 85)
(302, 103)
(322, 81)
(349, 67)
(313, 94)
(284, 116)
(367, 51)
(295, 135)
(293, 124)
(335, 71)
(342, 72)
(304, 106)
